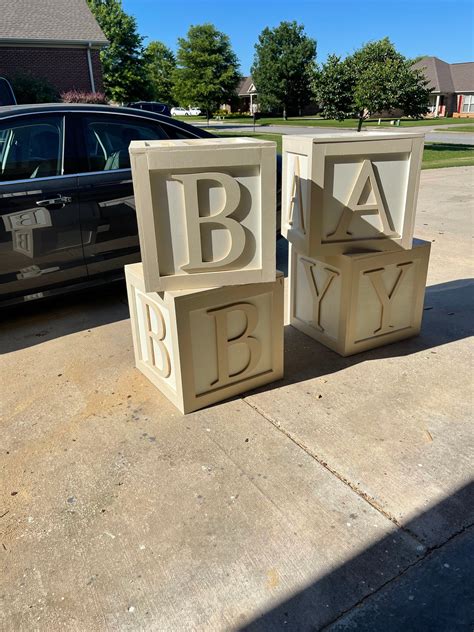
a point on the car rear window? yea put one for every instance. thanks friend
(107, 140)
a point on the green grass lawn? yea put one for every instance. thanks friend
(275, 137)
(438, 155)
(458, 128)
(435, 155)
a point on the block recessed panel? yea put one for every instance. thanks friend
(202, 346)
(206, 211)
(350, 191)
(352, 303)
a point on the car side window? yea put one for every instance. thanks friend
(107, 139)
(31, 147)
(177, 133)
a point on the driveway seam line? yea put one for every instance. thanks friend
(429, 551)
(368, 499)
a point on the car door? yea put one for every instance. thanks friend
(40, 235)
(107, 205)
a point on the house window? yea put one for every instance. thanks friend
(468, 103)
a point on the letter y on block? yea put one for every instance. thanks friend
(386, 298)
(316, 293)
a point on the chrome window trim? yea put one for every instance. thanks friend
(66, 175)
(100, 112)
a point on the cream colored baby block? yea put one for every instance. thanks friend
(350, 191)
(206, 211)
(202, 346)
(352, 303)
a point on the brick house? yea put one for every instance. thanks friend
(58, 40)
(453, 87)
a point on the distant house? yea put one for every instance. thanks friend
(247, 94)
(58, 40)
(453, 87)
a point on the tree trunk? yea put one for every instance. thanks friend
(207, 114)
(361, 120)
(285, 118)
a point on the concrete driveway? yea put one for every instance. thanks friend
(339, 498)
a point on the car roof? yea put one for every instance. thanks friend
(48, 108)
(150, 102)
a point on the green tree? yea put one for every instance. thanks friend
(334, 88)
(375, 78)
(31, 89)
(122, 60)
(160, 66)
(283, 67)
(207, 70)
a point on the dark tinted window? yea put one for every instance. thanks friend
(31, 147)
(107, 139)
(177, 133)
(6, 93)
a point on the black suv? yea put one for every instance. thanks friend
(67, 211)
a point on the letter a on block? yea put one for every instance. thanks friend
(366, 188)
(385, 298)
(296, 199)
(223, 342)
(318, 294)
(156, 337)
(194, 220)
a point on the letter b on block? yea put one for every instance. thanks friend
(206, 211)
(195, 222)
(223, 342)
(202, 346)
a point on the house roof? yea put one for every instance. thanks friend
(246, 87)
(49, 22)
(447, 78)
(463, 76)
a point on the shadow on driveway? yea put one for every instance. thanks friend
(29, 324)
(434, 594)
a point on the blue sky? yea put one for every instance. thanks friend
(443, 28)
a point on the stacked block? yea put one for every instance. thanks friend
(357, 281)
(206, 302)
(206, 211)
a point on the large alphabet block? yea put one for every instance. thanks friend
(355, 302)
(206, 211)
(350, 191)
(202, 346)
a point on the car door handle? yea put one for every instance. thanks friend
(61, 200)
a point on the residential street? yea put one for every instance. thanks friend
(432, 136)
(339, 498)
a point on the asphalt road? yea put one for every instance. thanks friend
(432, 136)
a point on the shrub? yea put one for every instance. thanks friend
(80, 96)
(29, 89)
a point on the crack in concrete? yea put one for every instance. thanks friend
(368, 499)
(429, 551)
